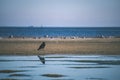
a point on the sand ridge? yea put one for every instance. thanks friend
(28, 46)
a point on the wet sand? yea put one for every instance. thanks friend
(29, 46)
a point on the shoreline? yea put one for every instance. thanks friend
(83, 46)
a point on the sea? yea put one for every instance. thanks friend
(60, 66)
(60, 31)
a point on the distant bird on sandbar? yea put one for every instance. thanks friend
(42, 46)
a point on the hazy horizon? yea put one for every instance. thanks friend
(64, 26)
(60, 13)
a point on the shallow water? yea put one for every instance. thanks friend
(60, 67)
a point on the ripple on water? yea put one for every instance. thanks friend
(8, 79)
(23, 75)
(11, 71)
(88, 67)
(53, 75)
(95, 79)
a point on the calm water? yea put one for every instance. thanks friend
(55, 32)
(61, 67)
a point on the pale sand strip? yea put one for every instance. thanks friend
(28, 46)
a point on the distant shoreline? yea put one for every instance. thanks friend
(57, 37)
(28, 46)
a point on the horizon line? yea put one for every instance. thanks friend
(57, 26)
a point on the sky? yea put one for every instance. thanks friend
(63, 13)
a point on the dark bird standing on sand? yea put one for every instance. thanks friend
(42, 46)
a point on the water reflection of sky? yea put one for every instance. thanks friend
(63, 67)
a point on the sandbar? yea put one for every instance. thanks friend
(29, 46)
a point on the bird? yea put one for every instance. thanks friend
(42, 46)
(42, 59)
